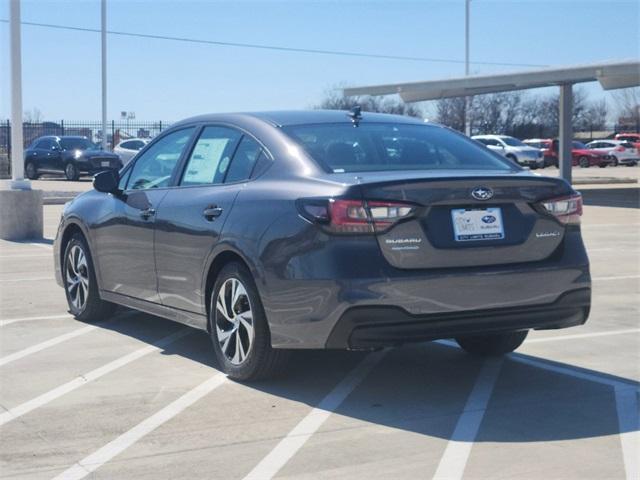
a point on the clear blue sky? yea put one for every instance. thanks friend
(171, 80)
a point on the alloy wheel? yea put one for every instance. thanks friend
(234, 321)
(77, 277)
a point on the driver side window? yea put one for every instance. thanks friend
(154, 168)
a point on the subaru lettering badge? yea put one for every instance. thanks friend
(482, 193)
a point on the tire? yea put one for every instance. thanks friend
(83, 299)
(242, 321)
(584, 162)
(71, 172)
(615, 162)
(31, 171)
(603, 165)
(492, 344)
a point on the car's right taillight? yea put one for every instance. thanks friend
(567, 210)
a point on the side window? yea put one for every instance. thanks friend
(127, 145)
(44, 144)
(211, 156)
(243, 161)
(154, 168)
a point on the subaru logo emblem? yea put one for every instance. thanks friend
(488, 219)
(482, 193)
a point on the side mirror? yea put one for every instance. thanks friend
(107, 181)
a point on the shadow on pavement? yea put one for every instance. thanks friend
(612, 197)
(423, 388)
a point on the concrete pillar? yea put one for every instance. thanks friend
(565, 131)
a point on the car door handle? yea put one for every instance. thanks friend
(147, 213)
(212, 212)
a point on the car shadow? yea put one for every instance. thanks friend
(423, 388)
(627, 197)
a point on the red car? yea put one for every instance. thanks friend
(629, 137)
(580, 155)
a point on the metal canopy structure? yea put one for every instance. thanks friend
(610, 75)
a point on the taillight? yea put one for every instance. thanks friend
(354, 216)
(620, 149)
(566, 209)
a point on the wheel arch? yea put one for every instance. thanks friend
(218, 262)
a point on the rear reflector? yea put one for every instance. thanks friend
(566, 209)
(354, 216)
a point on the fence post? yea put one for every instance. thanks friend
(9, 143)
(62, 126)
(161, 126)
(113, 134)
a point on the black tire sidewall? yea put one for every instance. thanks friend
(262, 337)
(584, 162)
(74, 169)
(94, 308)
(31, 175)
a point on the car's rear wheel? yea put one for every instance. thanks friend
(81, 287)
(31, 171)
(239, 329)
(492, 344)
(584, 162)
(71, 172)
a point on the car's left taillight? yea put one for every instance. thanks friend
(567, 210)
(348, 216)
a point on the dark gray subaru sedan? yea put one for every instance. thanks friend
(326, 229)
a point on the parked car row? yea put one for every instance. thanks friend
(543, 152)
(74, 156)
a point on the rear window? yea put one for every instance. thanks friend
(343, 148)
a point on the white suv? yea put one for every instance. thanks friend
(513, 149)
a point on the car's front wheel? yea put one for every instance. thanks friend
(239, 329)
(81, 287)
(584, 162)
(31, 171)
(71, 171)
(614, 161)
(492, 344)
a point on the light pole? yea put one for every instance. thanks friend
(467, 100)
(17, 147)
(103, 38)
(20, 206)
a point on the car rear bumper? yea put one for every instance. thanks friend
(305, 308)
(372, 327)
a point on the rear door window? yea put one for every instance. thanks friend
(211, 156)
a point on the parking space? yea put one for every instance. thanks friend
(141, 397)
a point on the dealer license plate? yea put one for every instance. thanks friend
(477, 224)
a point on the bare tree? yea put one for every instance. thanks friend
(450, 112)
(334, 99)
(628, 106)
(32, 116)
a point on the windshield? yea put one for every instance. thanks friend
(513, 142)
(76, 144)
(343, 148)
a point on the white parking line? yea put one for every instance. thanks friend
(629, 426)
(28, 279)
(455, 456)
(618, 277)
(94, 461)
(296, 438)
(583, 335)
(27, 255)
(39, 401)
(9, 321)
(46, 344)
